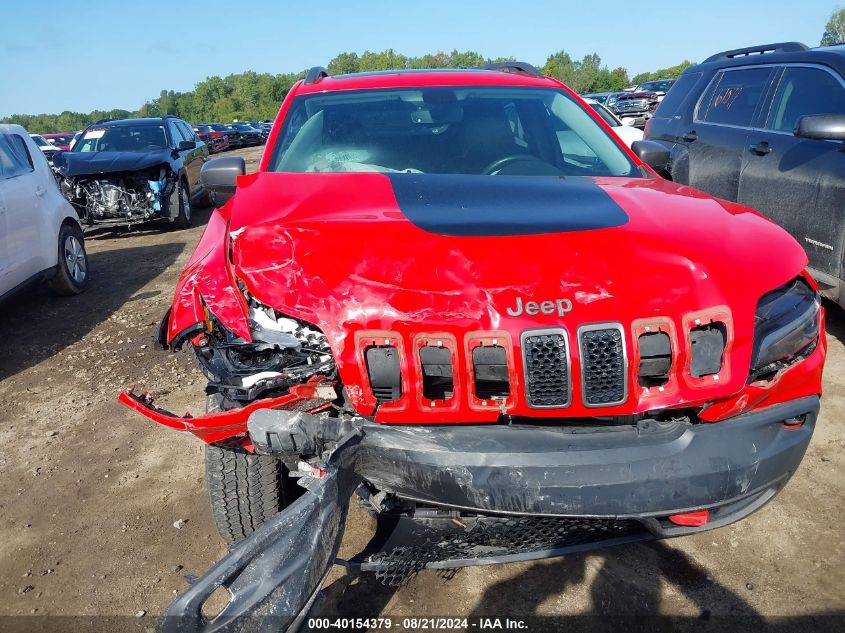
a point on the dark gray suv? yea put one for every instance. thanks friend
(764, 126)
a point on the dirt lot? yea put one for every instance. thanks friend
(89, 493)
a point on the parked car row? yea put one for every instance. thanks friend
(221, 136)
(217, 136)
(634, 105)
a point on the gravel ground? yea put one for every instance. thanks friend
(90, 495)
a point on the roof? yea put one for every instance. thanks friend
(140, 121)
(780, 53)
(423, 78)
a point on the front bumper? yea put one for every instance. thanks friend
(474, 495)
(647, 472)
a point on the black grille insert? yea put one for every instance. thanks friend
(546, 358)
(490, 369)
(384, 372)
(436, 365)
(603, 365)
(708, 345)
(655, 359)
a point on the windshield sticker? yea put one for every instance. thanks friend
(94, 134)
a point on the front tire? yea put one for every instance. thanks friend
(71, 276)
(244, 489)
(182, 199)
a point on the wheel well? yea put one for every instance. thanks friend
(70, 222)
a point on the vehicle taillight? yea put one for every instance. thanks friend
(647, 128)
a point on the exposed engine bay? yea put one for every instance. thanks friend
(129, 197)
(284, 352)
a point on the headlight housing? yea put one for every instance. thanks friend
(786, 328)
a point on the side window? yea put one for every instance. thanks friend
(15, 158)
(176, 135)
(804, 91)
(734, 96)
(677, 94)
(187, 132)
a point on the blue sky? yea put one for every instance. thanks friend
(60, 55)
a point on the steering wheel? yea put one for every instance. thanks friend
(498, 165)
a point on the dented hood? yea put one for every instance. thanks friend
(368, 249)
(411, 254)
(90, 163)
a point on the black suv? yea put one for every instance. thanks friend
(764, 126)
(129, 171)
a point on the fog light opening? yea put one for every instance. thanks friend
(794, 423)
(691, 519)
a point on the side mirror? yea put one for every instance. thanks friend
(830, 127)
(219, 177)
(652, 154)
(183, 145)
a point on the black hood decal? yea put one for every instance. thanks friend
(89, 163)
(460, 205)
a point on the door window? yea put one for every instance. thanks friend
(734, 97)
(187, 132)
(176, 135)
(14, 156)
(803, 91)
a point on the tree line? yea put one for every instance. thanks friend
(252, 95)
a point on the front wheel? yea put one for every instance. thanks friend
(182, 198)
(244, 489)
(71, 276)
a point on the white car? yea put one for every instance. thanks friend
(46, 147)
(627, 133)
(40, 235)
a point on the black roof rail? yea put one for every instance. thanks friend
(779, 47)
(513, 67)
(315, 74)
(106, 120)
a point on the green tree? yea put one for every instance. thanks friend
(671, 72)
(559, 65)
(252, 95)
(834, 31)
(344, 64)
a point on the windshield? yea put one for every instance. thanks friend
(474, 130)
(656, 86)
(122, 138)
(243, 127)
(61, 140)
(218, 127)
(39, 140)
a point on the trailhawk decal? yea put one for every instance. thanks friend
(459, 205)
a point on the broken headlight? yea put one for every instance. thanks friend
(786, 328)
(284, 352)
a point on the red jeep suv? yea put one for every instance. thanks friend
(459, 295)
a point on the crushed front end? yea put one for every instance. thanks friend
(490, 412)
(120, 197)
